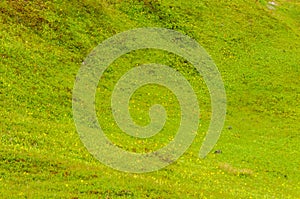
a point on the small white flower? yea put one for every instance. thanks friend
(272, 3)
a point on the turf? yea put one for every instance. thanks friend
(255, 47)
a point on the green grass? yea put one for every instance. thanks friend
(257, 51)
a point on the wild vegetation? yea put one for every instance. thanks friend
(255, 45)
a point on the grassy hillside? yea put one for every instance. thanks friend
(255, 47)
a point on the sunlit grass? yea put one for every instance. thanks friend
(256, 50)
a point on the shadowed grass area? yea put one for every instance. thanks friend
(255, 48)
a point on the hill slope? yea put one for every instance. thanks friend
(255, 48)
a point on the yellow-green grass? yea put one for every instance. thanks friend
(43, 44)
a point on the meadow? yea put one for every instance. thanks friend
(254, 44)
